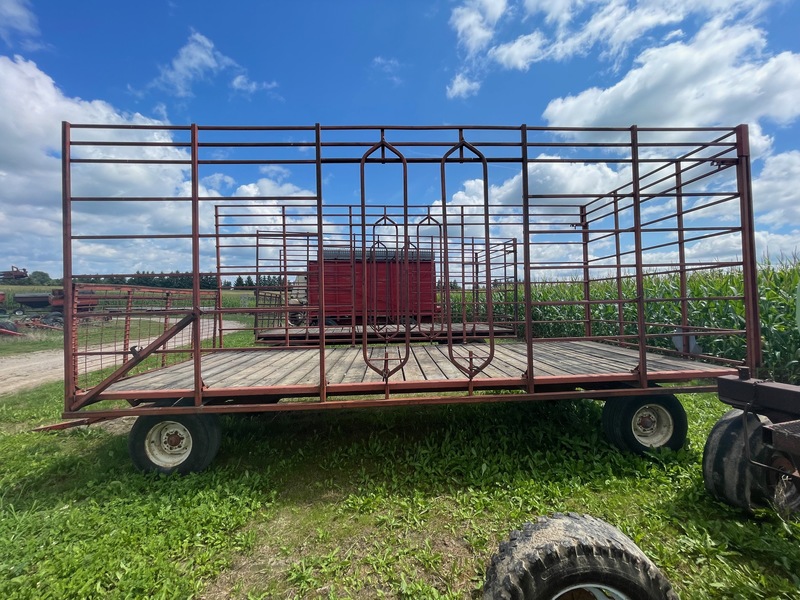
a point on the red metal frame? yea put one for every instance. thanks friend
(511, 236)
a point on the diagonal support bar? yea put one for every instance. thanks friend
(138, 357)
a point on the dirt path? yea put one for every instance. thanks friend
(23, 371)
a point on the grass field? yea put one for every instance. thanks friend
(395, 503)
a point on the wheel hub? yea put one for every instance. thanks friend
(173, 441)
(652, 426)
(646, 423)
(168, 444)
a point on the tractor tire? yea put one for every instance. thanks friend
(55, 319)
(727, 474)
(8, 326)
(174, 443)
(573, 557)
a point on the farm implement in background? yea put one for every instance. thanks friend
(14, 274)
(752, 456)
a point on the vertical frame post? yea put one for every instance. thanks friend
(587, 288)
(196, 308)
(637, 233)
(323, 383)
(69, 318)
(526, 259)
(749, 273)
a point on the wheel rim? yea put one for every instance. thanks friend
(589, 591)
(652, 426)
(168, 444)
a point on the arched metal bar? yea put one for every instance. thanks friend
(383, 367)
(471, 369)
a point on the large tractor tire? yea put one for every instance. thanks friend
(727, 473)
(573, 557)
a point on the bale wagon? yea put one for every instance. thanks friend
(561, 263)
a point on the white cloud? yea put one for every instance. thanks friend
(570, 28)
(614, 25)
(199, 60)
(271, 187)
(18, 20)
(389, 68)
(776, 191)
(719, 77)
(520, 53)
(474, 22)
(462, 87)
(559, 12)
(195, 61)
(30, 165)
(241, 83)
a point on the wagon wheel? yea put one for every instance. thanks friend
(573, 557)
(643, 423)
(174, 443)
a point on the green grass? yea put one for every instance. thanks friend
(397, 503)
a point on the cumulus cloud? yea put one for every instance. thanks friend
(462, 87)
(721, 76)
(571, 28)
(30, 166)
(776, 191)
(579, 26)
(30, 183)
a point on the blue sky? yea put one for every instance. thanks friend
(501, 62)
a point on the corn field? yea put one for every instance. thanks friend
(558, 310)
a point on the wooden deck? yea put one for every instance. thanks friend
(573, 362)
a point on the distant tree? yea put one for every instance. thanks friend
(226, 285)
(249, 282)
(209, 282)
(39, 278)
(239, 283)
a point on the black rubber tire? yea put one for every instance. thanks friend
(612, 422)
(53, 318)
(204, 433)
(549, 558)
(8, 326)
(637, 408)
(19, 312)
(727, 474)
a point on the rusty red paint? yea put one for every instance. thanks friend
(488, 262)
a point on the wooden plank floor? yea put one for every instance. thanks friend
(426, 363)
